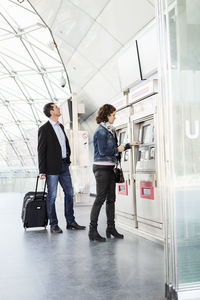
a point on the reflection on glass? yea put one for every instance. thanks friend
(184, 28)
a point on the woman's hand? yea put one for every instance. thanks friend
(120, 148)
(135, 143)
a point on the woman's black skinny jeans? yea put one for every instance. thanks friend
(105, 190)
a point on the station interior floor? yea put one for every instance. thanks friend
(38, 265)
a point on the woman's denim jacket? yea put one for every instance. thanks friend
(105, 145)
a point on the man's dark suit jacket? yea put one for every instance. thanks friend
(49, 150)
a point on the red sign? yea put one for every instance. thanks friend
(122, 188)
(146, 190)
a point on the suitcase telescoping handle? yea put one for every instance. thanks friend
(37, 187)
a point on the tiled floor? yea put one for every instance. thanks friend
(38, 265)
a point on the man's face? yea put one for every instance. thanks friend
(55, 111)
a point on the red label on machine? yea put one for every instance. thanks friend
(146, 190)
(122, 188)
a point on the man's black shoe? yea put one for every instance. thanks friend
(56, 229)
(75, 226)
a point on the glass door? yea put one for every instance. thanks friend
(179, 31)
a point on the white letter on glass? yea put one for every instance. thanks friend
(188, 131)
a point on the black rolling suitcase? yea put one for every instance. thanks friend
(34, 211)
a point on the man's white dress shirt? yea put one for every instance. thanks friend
(61, 137)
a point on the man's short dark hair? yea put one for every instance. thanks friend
(47, 108)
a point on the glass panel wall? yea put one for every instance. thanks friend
(19, 182)
(30, 73)
(181, 102)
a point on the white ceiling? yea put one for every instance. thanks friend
(90, 35)
(30, 74)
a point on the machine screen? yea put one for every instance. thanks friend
(146, 192)
(122, 188)
(146, 134)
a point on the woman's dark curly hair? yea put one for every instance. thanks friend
(103, 113)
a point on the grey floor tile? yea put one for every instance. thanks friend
(38, 265)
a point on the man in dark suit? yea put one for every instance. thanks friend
(54, 160)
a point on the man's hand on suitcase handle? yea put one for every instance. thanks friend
(42, 176)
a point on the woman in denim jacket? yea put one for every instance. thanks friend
(106, 153)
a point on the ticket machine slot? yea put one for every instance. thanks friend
(152, 153)
(126, 155)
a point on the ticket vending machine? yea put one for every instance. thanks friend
(148, 202)
(125, 211)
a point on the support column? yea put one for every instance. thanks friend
(74, 126)
(80, 155)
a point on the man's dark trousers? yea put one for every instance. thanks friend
(64, 179)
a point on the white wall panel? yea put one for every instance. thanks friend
(90, 104)
(65, 49)
(98, 46)
(48, 14)
(148, 51)
(97, 92)
(111, 73)
(99, 89)
(123, 19)
(80, 70)
(91, 8)
(128, 66)
(71, 24)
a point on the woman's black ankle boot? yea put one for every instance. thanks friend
(112, 231)
(94, 235)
